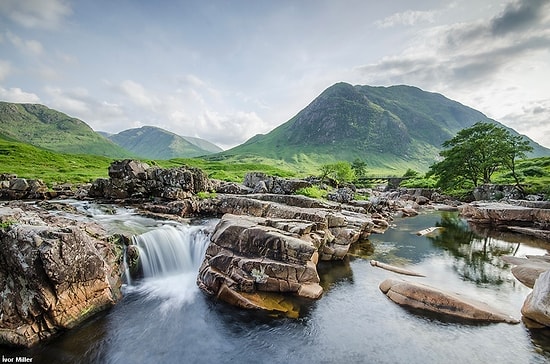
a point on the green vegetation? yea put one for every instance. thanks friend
(476, 153)
(313, 192)
(533, 174)
(53, 130)
(203, 195)
(225, 171)
(340, 172)
(156, 143)
(35, 163)
(390, 129)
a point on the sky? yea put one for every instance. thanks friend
(226, 70)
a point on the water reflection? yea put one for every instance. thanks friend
(476, 257)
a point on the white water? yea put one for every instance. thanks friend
(170, 257)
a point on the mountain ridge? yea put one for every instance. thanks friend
(388, 127)
(157, 143)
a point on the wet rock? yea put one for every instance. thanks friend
(423, 297)
(253, 254)
(54, 273)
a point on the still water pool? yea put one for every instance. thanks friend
(168, 320)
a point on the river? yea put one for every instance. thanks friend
(165, 318)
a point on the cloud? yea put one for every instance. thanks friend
(30, 46)
(407, 18)
(518, 15)
(17, 95)
(137, 94)
(5, 69)
(44, 14)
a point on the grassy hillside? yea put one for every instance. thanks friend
(392, 129)
(28, 161)
(156, 143)
(53, 130)
(32, 162)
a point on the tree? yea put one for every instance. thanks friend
(340, 172)
(475, 153)
(359, 167)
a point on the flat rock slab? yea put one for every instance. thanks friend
(527, 270)
(423, 297)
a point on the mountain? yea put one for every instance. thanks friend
(156, 143)
(50, 129)
(390, 128)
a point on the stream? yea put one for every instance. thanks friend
(165, 318)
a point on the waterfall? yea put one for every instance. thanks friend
(171, 250)
(170, 257)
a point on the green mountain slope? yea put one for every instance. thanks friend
(156, 143)
(47, 128)
(28, 161)
(390, 128)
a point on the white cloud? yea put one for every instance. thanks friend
(17, 95)
(45, 14)
(137, 94)
(407, 18)
(74, 102)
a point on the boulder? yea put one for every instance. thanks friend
(527, 270)
(129, 179)
(54, 273)
(260, 182)
(249, 254)
(419, 296)
(537, 304)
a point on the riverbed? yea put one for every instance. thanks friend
(167, 319)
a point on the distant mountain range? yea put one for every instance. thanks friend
(389, 128)
(43, 127)
(156, 143)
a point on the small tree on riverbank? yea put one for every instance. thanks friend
(475, 153)
(340, 172)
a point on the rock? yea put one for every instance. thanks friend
(537, 304)
(491, 192)
(395, 269)
(527, 270)
(341, 195)
(423, 297)
(131, 179)
(252, 254)
(54, 273)
(262, 183)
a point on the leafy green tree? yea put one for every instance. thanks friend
(475, 153)
(359, 167)
(340, 172)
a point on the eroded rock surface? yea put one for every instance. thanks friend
(54, 273)
(423, 297)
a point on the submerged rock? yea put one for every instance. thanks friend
(423, 297)
(54, 273)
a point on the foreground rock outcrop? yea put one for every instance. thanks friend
(54, 273)
(419, 296)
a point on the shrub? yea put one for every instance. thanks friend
(313, 192)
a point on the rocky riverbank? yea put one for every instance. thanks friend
(57, 271)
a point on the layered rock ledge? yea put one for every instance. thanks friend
(525, 217)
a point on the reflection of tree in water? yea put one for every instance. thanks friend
(477, 258)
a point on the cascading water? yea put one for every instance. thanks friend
(170, 257)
